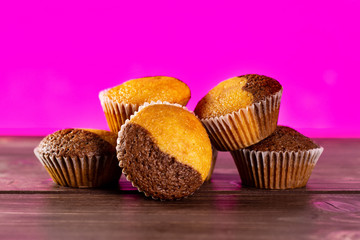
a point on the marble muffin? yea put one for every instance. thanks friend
(284, 160)
(121, 101)
(82, 158)
(164, 151)
(240, 111)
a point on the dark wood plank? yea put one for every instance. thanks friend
(205, 215)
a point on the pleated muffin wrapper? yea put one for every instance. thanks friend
(128, 177)
(116, 113)
(275, 170)
(246, 126)
(81, 172)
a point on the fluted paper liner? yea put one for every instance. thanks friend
(245, 127)
(116, 113)
(128, 177)
(84, 172)
(275, 170)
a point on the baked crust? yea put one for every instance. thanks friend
(260, 86)
(147, 89)
(75, 142)
(236, 93)
(284, 139)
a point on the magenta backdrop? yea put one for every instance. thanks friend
(56, 57)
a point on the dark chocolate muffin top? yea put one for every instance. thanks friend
(74, 142)
(260, 86)
(284, 139)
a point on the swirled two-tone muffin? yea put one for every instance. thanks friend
(164, 151)
(80, 157)
(240, 111)
(121, 101)
(283, 160)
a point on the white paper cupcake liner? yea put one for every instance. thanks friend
(245, 127)
(116, 113)
(84, 172)
(121, 164)
(275, 170)
(213, 162)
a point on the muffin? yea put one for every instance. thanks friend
(164, 151)
(284, 160)
(240, 111)
(82, 158)
(120, 102)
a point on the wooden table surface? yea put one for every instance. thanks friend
(33, 207)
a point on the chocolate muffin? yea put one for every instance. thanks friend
(240, 111)
(81, 158)
(284, 160)
(164, 151)
(121, 101)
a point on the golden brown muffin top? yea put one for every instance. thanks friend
(108, 136)
(147, 89)
(78, 142)
(179, 133)
(284, 139)
(236, 93)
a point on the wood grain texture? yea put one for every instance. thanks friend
(203, 216)
(33, 207)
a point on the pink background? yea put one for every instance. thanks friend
(56, 57)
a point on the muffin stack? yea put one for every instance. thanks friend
(164, 151)
(162, 148)
(168, 152)
(240, 115)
